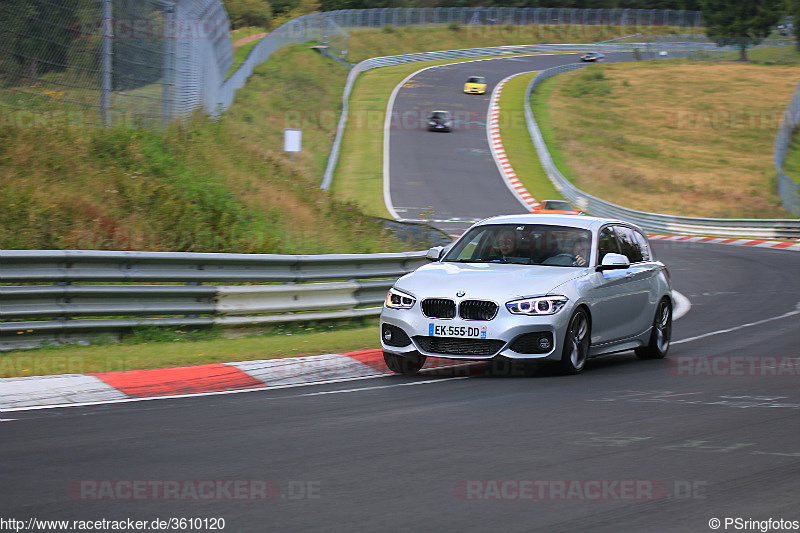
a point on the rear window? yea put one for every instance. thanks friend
(557, 205)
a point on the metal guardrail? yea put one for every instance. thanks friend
(53, 300)
(788, 189)
(676, 225)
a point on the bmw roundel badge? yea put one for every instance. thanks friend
(460, 293)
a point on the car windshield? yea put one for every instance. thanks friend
(526, 244)
(475, 79)
(438, 115)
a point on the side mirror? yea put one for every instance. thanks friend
(435, 253)
(614, 262)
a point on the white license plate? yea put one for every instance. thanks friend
(456, 330)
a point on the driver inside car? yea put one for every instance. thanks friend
(581, 251)
(508, 248)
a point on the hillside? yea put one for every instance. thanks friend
(222, 186)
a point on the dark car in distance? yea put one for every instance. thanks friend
(440, 121)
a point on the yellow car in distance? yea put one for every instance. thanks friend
(475, 85)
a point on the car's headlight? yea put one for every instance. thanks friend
(543, 305)
(399, 300)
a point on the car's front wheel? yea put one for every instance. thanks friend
(660, 335)
(408, 365)
(576, 343)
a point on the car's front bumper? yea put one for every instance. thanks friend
(504, 335)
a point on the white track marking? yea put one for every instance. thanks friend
(407, 384)
(681, 306)
(742, 326)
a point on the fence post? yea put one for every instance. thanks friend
(168, 74)
(105, 67)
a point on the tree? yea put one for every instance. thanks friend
(793, 10)
(35, 37)
(244, 13)
(742, 23)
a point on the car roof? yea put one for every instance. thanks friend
(581, 221)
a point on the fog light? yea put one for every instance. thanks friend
(544, 343)
(387, 335)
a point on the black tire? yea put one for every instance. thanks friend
(408, 365)
(576, 343)
(660, 336)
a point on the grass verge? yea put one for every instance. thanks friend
(517, 141)
(675, 137)
(367, 43)
(158, 348)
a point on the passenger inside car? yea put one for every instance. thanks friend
(565, 248)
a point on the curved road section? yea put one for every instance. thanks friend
(451, 179)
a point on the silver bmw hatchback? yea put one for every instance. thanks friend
(559, 288)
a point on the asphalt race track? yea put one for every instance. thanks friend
(711, 432)
(451, 178)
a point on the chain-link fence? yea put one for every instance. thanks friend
(110, 61)
(378, 18)
(84, 61)
(150, 61)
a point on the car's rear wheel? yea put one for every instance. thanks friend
(408, 365)
(661, 333)
(576, 343)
